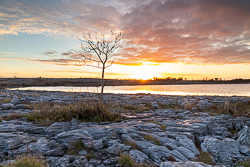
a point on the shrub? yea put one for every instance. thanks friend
(26, 161)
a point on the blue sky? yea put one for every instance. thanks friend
(177, 38)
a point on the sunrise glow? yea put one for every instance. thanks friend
(189, 39)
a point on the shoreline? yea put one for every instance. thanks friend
(94, 82)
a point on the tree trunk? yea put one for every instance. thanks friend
(102, 84)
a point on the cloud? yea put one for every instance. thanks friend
(161, 31)
(51, 53)
(196, 31)
(69, 71)
(6, 53)
(63, 62)
(70, 18)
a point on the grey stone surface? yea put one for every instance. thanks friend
(187, 143)
(225, 151)
(67, 161)
(186, 152)
(156, 153)
(184, 164)
(245, 150)
(244, 136)
(105, 141)
(138, 156)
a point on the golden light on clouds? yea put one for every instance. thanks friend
(190, 39)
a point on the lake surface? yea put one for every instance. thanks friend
(195, 89)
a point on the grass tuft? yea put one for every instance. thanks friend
(126, 161)
(163, 127)
(13, 116)
(5, 101)
(76, 147)
(132, 109)
(237, 109)
(205, 158)
(245, 163)
(47, 113)
(150, 137)
(132, 144)
(90, 155)
(26, 161)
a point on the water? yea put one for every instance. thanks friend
(195, 89)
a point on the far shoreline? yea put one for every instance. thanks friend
(96, 82)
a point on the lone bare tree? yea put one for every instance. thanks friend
(98, 52)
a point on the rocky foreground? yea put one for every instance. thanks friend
(158, 137)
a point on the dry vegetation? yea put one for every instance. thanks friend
(151, 138)
(132, 144)
(26, 161)
(46, 113)
(237, 109)
(132, 109)
(245, 163)
(5, 101)
(76, 147)
(162, 126)
(126, 161)
(205, 158)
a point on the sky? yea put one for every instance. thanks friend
(192, 39)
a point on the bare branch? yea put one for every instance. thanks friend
(99, 51)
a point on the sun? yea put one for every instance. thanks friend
(144, 72)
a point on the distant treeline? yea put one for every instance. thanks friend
(29, 82)
(199, 80)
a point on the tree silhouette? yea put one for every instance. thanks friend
(98, 52)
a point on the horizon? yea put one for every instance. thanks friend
(153, 79)
(169, 38)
